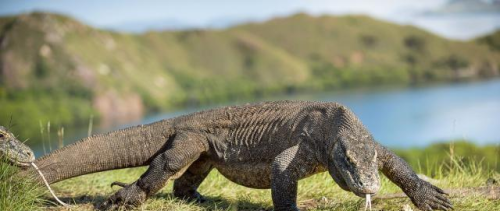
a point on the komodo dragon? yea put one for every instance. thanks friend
(14, 151)
(265, 145)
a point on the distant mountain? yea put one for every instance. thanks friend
(468, 7)
(56, 68)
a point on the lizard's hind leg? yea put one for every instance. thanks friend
(185, 187)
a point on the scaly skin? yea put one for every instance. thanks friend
(267, 145)
(14, 151)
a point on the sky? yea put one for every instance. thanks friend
(111, 13)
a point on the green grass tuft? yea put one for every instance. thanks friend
(18, 193)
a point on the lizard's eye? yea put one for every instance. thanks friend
(2, 135)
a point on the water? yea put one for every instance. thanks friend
(420, 116)
(404, 117)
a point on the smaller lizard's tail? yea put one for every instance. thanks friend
(130, 147)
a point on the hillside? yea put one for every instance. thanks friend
(54, 68)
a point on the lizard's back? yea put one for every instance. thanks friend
(244, 140)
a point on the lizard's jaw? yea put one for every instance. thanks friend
(363, 185)
(23, 165)
(366, 190)
(22, 160)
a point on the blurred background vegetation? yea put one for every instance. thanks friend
(56, 69)
(435, 157)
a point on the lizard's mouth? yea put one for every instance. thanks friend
(22, 160)
(359, 189)
(21, 164)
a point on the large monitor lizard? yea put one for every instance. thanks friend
(265, 145)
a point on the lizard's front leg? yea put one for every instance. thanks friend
(288, 167)
(423, 194)
(182, 152)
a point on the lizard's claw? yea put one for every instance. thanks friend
(429, 197)
(129, 196)
(191, 197)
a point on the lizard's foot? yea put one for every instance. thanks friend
(129, 196)
(190, 196)
(429, 197)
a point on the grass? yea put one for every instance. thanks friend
(318, 192)
(16, 194)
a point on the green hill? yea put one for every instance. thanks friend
(54, 68)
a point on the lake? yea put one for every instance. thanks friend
(401, 117)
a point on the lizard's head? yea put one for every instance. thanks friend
(353, 157)
(355, 164)
(13, 150)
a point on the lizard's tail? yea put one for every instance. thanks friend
(130, 147)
